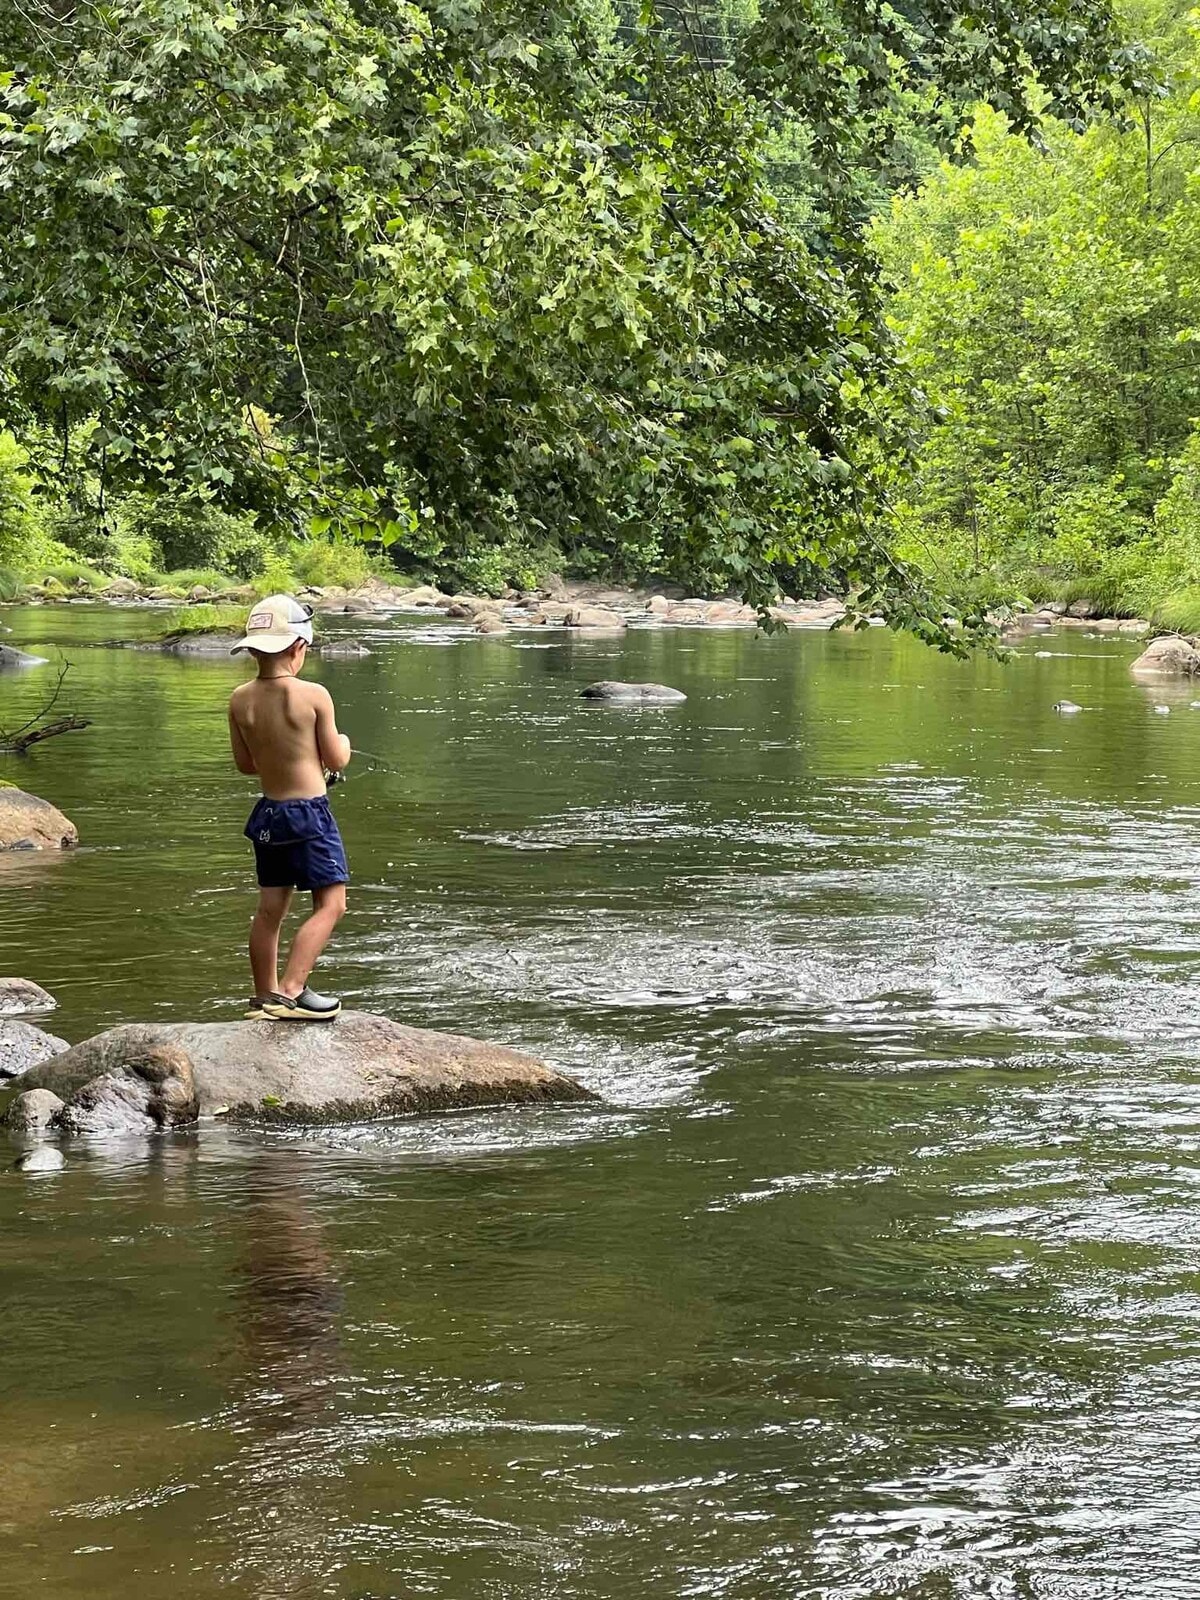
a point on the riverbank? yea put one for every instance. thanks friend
(559, 603)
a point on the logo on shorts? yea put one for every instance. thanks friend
(264, 836)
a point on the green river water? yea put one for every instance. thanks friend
(873, 1273)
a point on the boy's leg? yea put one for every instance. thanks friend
(264, 939)
(329, 905)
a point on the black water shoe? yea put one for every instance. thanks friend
(254, 1008)
(306, 1007)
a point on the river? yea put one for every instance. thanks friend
(870, 1276)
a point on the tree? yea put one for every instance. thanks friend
(472, 272)
(1046, 302)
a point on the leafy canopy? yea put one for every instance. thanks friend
(456, 273)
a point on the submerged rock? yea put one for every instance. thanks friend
(1066, 708)
(19, 994)
(1171, 655)
(626, 694)
(13, 658)
(27, 823)
(353, 1070)
(145, 1087)
(342, 650)
(32, 1111)
(45, 1159)
(23, 1046)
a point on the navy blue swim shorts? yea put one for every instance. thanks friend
(296, 844)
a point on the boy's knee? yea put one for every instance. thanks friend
(270, 916)
(332, 902)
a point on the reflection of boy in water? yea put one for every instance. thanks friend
(286, 732)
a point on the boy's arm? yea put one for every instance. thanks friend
(242, 758)
(332, 747)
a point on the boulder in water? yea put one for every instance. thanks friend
(32, 1111)
(356, 1069)
(19, 994)
(1066, 708)
(633, 694)
(1171, 656)
(594, 617)
(144, 1088)
(27, 823)
(121, 589)
(23, 1046)
(11, 658)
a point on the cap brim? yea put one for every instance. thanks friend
(269, 643)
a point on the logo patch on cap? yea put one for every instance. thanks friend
(260, 619)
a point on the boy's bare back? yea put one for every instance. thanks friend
(287, 731)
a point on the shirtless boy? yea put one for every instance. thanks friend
(286, 732)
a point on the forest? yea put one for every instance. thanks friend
(892, 303)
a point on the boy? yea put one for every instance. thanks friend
(286, 732)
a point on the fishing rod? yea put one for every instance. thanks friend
(374, 764)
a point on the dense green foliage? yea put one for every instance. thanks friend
(482, 280)
(1048, 300)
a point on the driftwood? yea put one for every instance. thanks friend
(40, 726)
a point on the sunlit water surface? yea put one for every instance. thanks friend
(875, 1272)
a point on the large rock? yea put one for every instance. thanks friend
(593, 617)
(32, 1111)
(633, 694)
(1170, 656)
(425, 597)
(19, 994)
(13, 658)
(23, 1046)
(360, 1067)
(121, 589)
(146, 1086)
(27, 823)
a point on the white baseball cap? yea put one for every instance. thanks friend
(275, 624)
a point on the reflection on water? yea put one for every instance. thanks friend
(872, 1276)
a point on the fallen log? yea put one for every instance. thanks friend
(16, 744)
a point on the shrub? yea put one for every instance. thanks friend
(185, 531)
(20, 521)
(105, 541)
(72, 575)
(1179, 611)
(189, 577)
(319, 563)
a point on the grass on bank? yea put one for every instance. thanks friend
(309, 564)
(205, 617)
